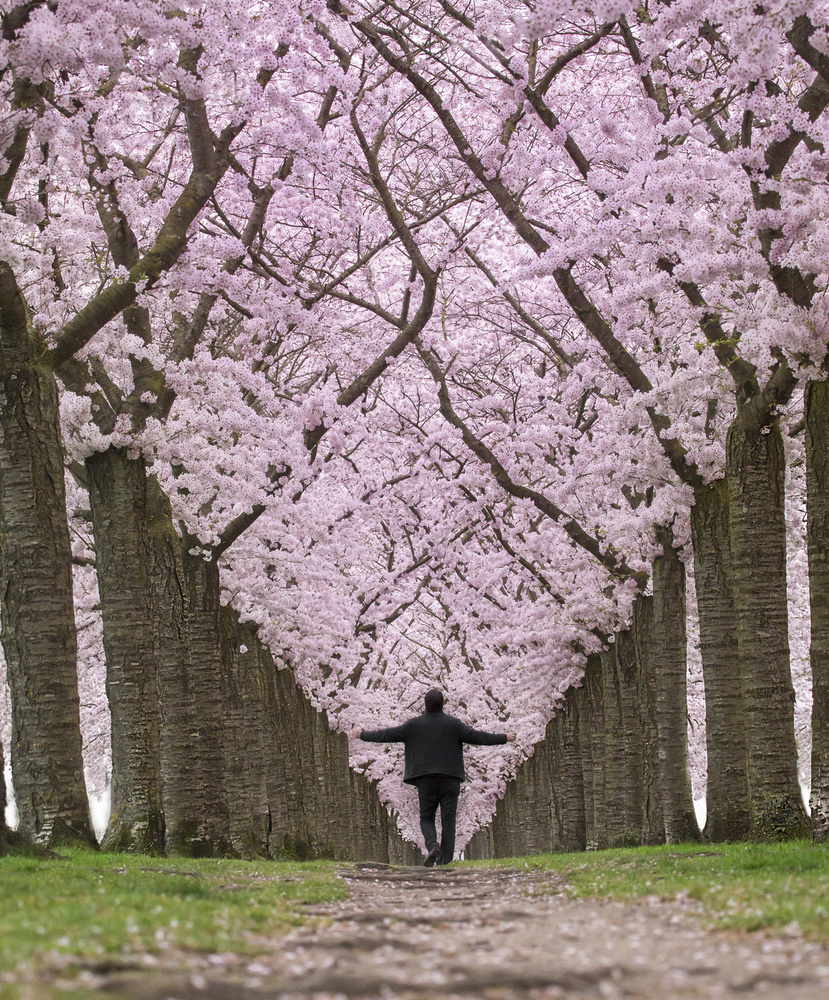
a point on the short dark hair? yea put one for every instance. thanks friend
(434, 700)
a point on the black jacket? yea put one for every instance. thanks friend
(434, 744)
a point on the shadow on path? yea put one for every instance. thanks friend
(495, 934)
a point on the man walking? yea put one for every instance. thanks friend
(433, 745)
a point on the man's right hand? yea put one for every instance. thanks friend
(511, 737)
(356, 732)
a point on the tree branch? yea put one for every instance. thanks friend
(613, 563)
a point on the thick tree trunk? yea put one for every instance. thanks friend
(728, 811)
(359, 827)
(480, 846)
(504, 824)
(817, 531)
(615, 785)
(639, 732)
(532, 804)
(755, 469)
(402, 852)
(669, 656)
(567, 776)
(123, 556)
(592, 711)
(36, 602)
(653, 818)
(330, 787)
(366, 827)
(582, 702)
(245, 734)
(292, 771)
(188, 653)
(318, 807)
(274, 761)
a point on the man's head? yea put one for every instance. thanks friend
(434, 700)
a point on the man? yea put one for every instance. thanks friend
(434, 764)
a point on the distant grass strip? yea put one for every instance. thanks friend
(742, 886)
(100, 907)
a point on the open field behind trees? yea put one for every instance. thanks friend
(353, 348)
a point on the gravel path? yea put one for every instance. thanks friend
(495, 934)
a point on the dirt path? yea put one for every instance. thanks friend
(495, 934)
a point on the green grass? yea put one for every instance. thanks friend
(98, 908)
(741, 886)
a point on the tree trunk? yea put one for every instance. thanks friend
(292, 772)
(273, 757)
(36, 601)
(358, 824)
(653, 819)
(480, 846)
(615, 783)
(670, 669)
(403, 852)
(532, 794)
(118, 498)
(371, 837)
(585, 746)
(592, 709)
(817, 533)
(245, 734)
(186, 603)
(633, 717)
(567, 776)
(317, 806)
(755, 468)
(507, 830)
(728, 812)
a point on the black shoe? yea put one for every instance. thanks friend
(431, 857)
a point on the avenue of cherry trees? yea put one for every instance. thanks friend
(392, 345)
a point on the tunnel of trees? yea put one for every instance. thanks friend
(350, 349)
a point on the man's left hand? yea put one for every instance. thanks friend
(356, 732)
(511, 737)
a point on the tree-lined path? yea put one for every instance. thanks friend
(378, 346)
(497, 934)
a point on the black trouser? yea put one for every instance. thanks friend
(435, 790)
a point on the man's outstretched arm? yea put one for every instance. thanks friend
(395, 734)
(478, 737)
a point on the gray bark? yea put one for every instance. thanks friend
(614, 756)
(36, 601)
(817, 528)
(480, 846)
(292, 772)
(185, 605)
(403, 852)
(755, 467)
(728, 812)
(594, 754)
(526, 811)
(318, 807)
(567, 776)
(245, 732)
(652, 813)
(596, 778)
(644, 823)
(670, 668)
(123, 558)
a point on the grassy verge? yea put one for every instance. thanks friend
(741, 886)
(92, 908)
